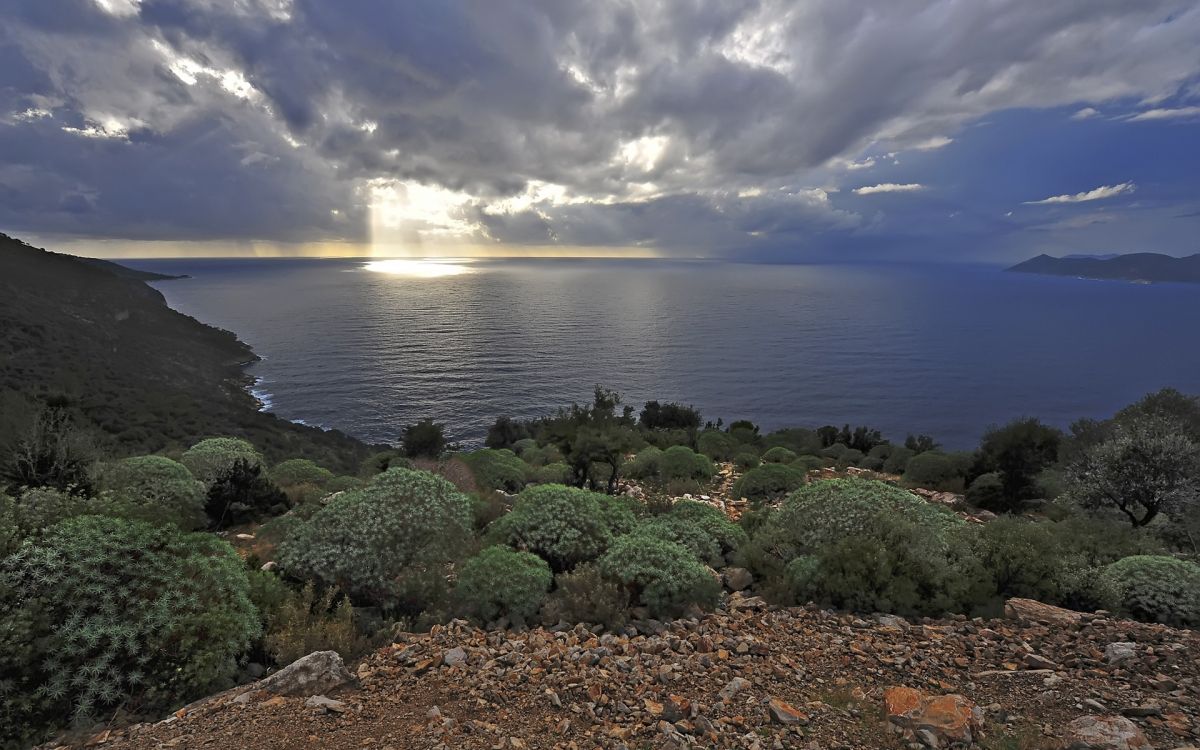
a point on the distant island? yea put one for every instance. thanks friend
(1140, 267)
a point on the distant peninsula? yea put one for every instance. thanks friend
(1138, 267)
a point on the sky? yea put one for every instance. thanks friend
(958, 130)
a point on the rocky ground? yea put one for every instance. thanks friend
(747, 676)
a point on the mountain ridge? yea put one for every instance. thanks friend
(1140, 267)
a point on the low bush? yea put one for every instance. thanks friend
(241, 494)
(153, 489)
(936, 471)
(305, 621)
(500, 582)
(585, 595)
(768, 482)
(119, 613)
(296, 471)
(497, 469)
(680, 463)
(746, 460)
(717, 445)
(662, 576)
(386, 544)
(987, 491)
(210, 459)
(1156, 588)
(897, 460)
(645, 465)
(555, 473)
(778, 455)
(563, 525)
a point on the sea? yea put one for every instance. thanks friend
(945, 350)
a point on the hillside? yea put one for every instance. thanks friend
(141, 376)
(746, 676)
(1132, 267)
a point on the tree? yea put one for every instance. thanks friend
(1018, 451)
(506, 432)
(920, 443)
(425, 439)
(1146, 467)
(670, 416)
(241, 493)
(591, 435)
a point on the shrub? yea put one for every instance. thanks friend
(40, 508)
(154, 489)
(897, 460)
(240, 494)
(778, 455)
(746, 460)
(795, 439)
(663, 576)
(645, 465)
(425, 439)
(500, 582)
(717, 445)
(727, 534)
(680, 462)
(685, 533)
(304, 621)
(669, 416)
(121, 613)
(987, 491)
(768, 482)
(210, 459)
(1018, 451)
(497, 469)
(343, 483)
(296, 471)
(585, 595)
(1158, 589)
(387, 543)
(1022, 558)
(563, 525)
(936, 471)
(555, 473)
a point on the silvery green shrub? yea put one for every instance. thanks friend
(501, 582)
(1157, 588)
(153, 489)
(209, 459)
(663, 576)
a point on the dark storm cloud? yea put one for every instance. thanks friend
(687, 125)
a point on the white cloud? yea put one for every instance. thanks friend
(1100, 193)
(1166, 114)
(889, 187)
(1085, 113)
(930, 144)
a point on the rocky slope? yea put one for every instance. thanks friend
(747, 676)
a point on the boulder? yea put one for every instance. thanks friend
(737, 579)
(317, 673)
(1034, 611)
(1104, 733)
(934, 721)
(1115, 653)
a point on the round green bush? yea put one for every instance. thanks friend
(296, 471)
(1157, 588)
(154, 489)
(500, 582)
(343, 483)
(122, 613)
(727, 535)
(39, 508)
(645, 465)
(987, 491)
(778, 455)
(717, 445)
(768, 482)
(556, 473)
(663, 576)
(680, 462)
(897, 460)
(935, 471)
(563, 525)
(210, 459)
(685, 533)
(385, 544)
(746, 460)
(497, 469)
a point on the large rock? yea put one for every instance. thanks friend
(315, 674)
(934, 721)
(1115, 653)
(1031, 610)
(1104, 733)
(737, 579)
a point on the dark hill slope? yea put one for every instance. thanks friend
(146, 377)
(1131, 267)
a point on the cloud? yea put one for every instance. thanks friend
(1166, 114)
(530, 120)
(1100, 193)
(1085, 114)
(888, 187)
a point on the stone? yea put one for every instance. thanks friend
(784, 713)
(737, 579)
(733, 687)
(1033, 661)
(1034, 611)
(951, 719)
(1104, 733)
(1141, 712)
(268, 566)
(1115, 653)
(454, 656)
(319, 672)
(328, 705)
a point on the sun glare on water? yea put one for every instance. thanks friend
(418, 269)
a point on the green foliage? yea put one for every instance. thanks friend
(679, 462)
(121, 613)
(381, 461)
(53, 450)
(425, 439)
(1158, 589)
(663, 576)
(768, 482)
(556, 473)
(669, 416)
(725, 534)
(645, 465)
(500, 582)
(1018, 451)
(935, 470)
(897, 460)
(304, 621)
(987, 491)
(209, 459)
(497, 469)
(506, 432)
(563, 525)
(296, 471)
(240, 494)
(38, 509)
(585, 595)
(778, 455)
(798, 440)
(718, 445)
(387, 543)
(154, 489)
(343, 483)
(746, 459)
